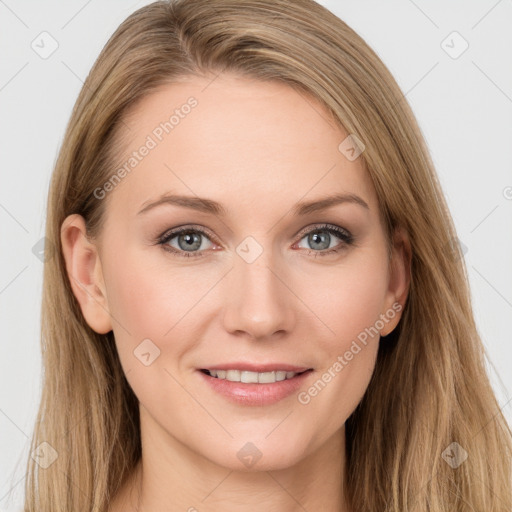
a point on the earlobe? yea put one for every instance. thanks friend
(85, 274)
(399, 280)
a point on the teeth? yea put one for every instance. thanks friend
(252, 377)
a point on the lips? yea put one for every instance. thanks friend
(255, 394)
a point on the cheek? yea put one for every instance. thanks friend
(348, 298)
(146, 289)
(154, 308)
(349, 306)
(155, 301)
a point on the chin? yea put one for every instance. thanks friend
(250, 458)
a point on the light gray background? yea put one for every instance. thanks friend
(464, 108)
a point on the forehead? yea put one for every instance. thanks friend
(234, 139)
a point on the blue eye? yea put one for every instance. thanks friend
(190, 240)
(321, 237)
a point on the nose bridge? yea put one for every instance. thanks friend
(259, 302)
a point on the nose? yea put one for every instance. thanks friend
(258, 301)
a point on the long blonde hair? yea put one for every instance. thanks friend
(429, 389)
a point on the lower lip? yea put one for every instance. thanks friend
(256, 394)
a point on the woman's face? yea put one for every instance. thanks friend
(259, 277)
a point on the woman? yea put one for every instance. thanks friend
(201, 350)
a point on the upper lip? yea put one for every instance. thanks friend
(259, 368)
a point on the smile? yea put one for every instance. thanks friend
(252, 377)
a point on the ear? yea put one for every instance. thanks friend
(399, 280)
(85, 274)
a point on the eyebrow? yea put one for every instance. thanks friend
(209, 206)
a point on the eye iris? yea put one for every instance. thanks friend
(193, 240)
(314, 238)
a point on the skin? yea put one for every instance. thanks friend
(258, 148)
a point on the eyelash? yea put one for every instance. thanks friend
(343, 234)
